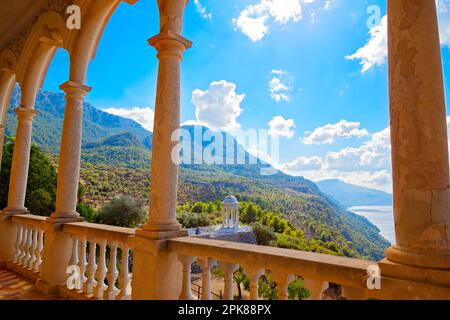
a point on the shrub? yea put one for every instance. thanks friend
(264, 234)
(122, 212)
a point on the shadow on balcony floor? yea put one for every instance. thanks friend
(16, 287)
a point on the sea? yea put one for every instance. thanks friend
(381, 216)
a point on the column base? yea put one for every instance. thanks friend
(58, 217)
(151, 255)
(9, 212)
(162, 227)
(408, 257)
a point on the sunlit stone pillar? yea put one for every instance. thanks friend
(164, 174)
(420, 159)
(7, 78)
(69, 160)
(20, 162)
(8, 231)
(150, 244)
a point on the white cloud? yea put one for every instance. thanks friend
(327, 134)
(368, 165)
(143, 116)
(219, 106)
(302, 164)
(254, 21)
(375, 51)
(280, 127)
(280, 86)
(202, 10)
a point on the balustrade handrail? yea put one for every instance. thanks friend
(101, 231)
(342, 270)
(29, 219)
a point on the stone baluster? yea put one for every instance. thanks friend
(206, 264)
(74, 259)
(82, 263)
(228, 269)
(28, 247)
(38, 253)
(91, 268)
(124, 280)
(33, 247)
(23, 246)
(282, 280)
(254, 275)
(101, 271)
(113, 273)
(17, 251)
(315, 287)
(186, 290)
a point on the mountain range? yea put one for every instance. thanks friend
(116, 156)
(350, 195)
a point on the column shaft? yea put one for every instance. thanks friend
(420, 159)
(6, 86)
(20, 161)
(164, 172)
(69, 161)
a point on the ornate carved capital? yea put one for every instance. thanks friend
(169, 43)
(25, 114)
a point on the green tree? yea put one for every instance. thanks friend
(249, 214)
(41, 186)
(122, 212)
(198, 207)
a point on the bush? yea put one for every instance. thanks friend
(264, 234)
(122, 212)
(193, 220)
(86, 211)
(40, 203)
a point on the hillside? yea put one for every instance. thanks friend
(116, 156)
(350, 195)
(47, 126)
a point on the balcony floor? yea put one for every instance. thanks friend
(15, 287)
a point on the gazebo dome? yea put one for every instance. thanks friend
(230, 199)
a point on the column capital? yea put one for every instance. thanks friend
(25, 113)
(75, 88)
(169, 43)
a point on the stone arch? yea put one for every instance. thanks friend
(48, 34)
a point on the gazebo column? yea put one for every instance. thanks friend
(420, 159)
(151, 254)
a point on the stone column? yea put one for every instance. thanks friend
(69, 160)
(164, 174)
(20, 162)
(420, 159)
(151, 254)
(7, 78)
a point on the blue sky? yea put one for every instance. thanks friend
(265, 64)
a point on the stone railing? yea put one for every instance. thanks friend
(27, 258)
(317, 270)
(102, 259)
